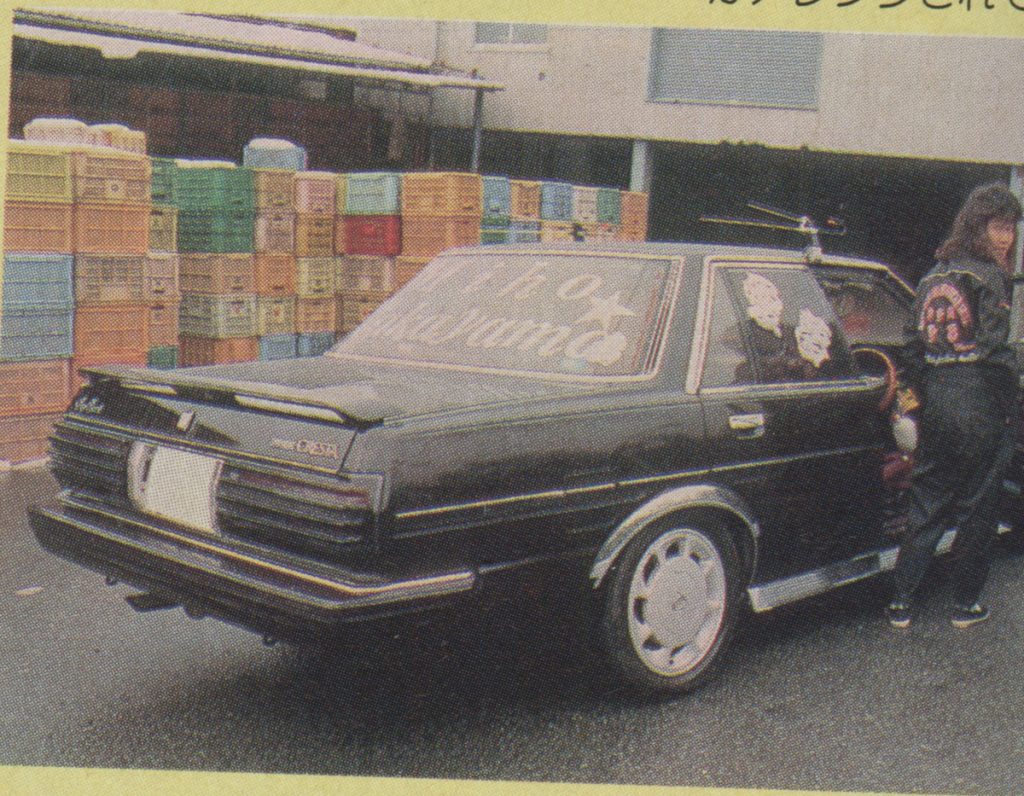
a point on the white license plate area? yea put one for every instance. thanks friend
(177, 485)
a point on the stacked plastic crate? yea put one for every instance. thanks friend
(496, 224)
(112, 194)
(633, 216)
(216, 230)
(161, 290)
(556, 211)
(37, 307)
(609, 214)
(373, 235)
(316, 313)
(525, 206)
(276, 269)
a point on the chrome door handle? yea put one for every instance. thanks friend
(747, 426)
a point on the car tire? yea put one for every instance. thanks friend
(671, 605)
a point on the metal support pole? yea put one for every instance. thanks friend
(641, 167)
(478, 129)
(1017, 186)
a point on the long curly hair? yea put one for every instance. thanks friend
(969, 236)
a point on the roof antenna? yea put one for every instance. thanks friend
(802, 224)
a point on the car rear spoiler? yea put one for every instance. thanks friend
(250, 395)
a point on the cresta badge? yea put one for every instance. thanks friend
(311, 447)
(89, 405)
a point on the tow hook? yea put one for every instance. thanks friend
(148, 601)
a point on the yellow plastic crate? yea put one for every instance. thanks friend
(442, 194)
(340, 186)
(38, 173)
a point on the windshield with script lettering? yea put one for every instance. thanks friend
(579, 315)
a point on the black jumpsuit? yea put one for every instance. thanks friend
(958, 359)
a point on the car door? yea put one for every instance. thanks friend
(791, 425)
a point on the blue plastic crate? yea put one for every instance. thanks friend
(42, 332)
(38, 280)
(258, 156)
(313, 344)
(524, 232)
(373, 193)
(556, 201)
(277, 346)
(497, 198)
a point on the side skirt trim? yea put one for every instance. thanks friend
(773, 594)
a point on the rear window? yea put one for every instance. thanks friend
(869, 310)
(578, 315)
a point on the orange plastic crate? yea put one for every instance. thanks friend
(39, 227)
(340, 235)
(34, 387)
(275, 274)
(314, 236)
(442, 194)
(633, 208)
(217, 274)
(315, 315)
(163, 323)
(111, 229)
(25, 438)
(111, 333)
(406, 268)
(210, 351)
(525, 199)
(427, 236)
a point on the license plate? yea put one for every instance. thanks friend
(175, 485)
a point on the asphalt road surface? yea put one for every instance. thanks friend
(822, 695)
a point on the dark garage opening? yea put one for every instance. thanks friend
(896, 210)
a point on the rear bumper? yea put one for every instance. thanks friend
(207, 576)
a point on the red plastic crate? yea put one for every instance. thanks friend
(40, 227)
(381, 235)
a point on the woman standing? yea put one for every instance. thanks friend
(958, 360)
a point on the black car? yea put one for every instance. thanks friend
(683, 426)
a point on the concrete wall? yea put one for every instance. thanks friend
(924, 96)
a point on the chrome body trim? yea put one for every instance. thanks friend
(353, 594)
(767, 596)
(665, 504)
(651, 479)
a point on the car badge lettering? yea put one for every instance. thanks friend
(89, 405)
(185, 421)
(310, 447)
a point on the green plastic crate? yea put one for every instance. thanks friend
(162, 186)
(609, 205)
(214, 189)
(163, 357)
(216, 232)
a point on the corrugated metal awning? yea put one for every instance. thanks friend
(290, 52)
